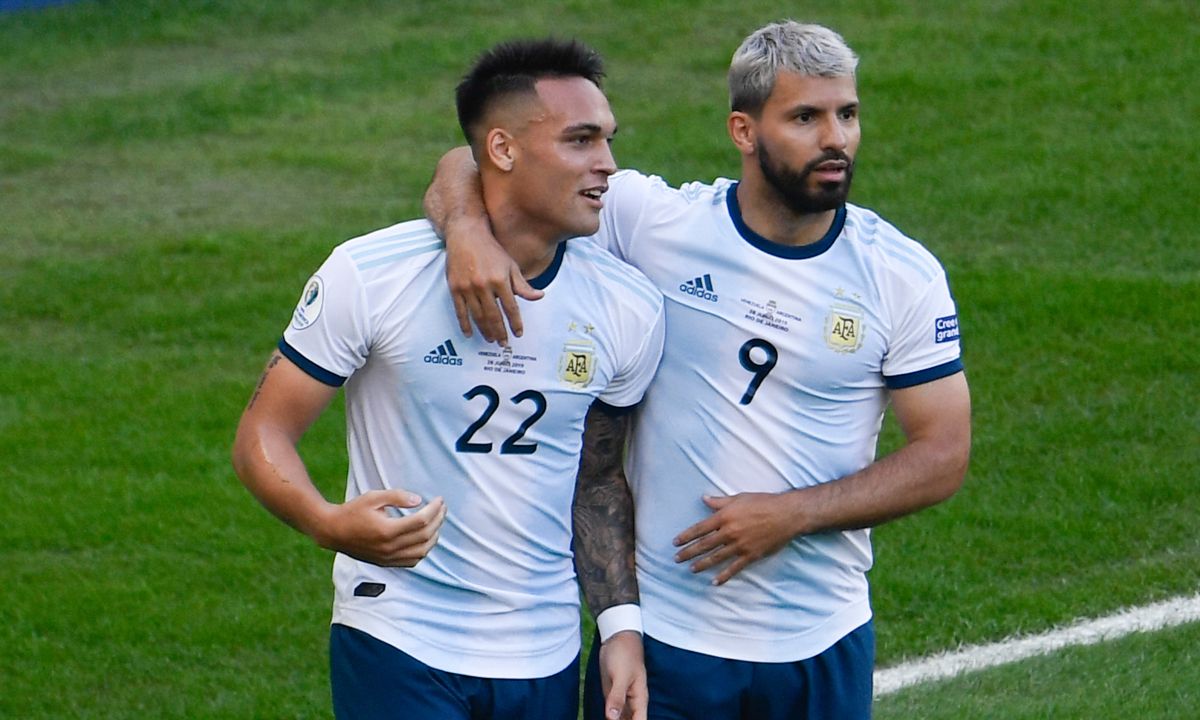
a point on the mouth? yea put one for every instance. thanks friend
(831, 170)
(594, 196)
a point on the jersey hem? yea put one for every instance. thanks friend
(781, 648)
(511, 666)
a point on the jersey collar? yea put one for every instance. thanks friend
(795, 252)
(543, 279)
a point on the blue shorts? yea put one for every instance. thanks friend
(373, 680)
(685, 685)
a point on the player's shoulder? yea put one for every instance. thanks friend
(889, 247)
(383, 262)
(622, 282)
(655, 188)
(409, 241)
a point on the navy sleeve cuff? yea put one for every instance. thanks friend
(920, 377)
(316, 371)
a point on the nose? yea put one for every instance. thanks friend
(606, 164)
(834, 136)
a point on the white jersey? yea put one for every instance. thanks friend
(495, 432)
(774, 376)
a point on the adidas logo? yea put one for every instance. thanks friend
(701, 287)
(443, 354)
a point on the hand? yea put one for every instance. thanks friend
(745, 528)
(480, 274)
(363, 528)
(623, 677)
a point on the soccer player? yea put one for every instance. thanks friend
(466, 605)
(793, 319)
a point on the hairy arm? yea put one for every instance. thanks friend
(285, 404)
(484, 281)
(927, 469)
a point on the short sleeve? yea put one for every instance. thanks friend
(629, 384)
(624, 204)
(328, 336)
(925, 344)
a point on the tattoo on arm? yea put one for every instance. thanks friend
(275, 358)
(603, 515)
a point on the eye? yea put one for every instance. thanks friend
(848, 113)
(804, 117)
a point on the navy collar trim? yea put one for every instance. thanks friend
(543, 280)
(792, 252)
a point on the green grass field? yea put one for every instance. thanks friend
(171, 172)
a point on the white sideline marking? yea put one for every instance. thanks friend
(1088, 632)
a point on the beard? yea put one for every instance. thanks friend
(793, 185)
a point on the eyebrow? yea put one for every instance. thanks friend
(818, 108)
(591, 128)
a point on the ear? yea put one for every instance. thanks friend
(742, 131)
(500, 148)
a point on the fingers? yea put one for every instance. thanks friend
(396, 497)
(719, 555)
(522, 287)
(412, 547)
(734, 568)
(508, 303)
(625, 700)
(464, 317)
(640, 701)
(699, 530)
(417, 534)
(491, 321)
(482, 308)
(703, 545)
(623, 677)
(491, 304)
(614, 702)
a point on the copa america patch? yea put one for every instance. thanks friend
(312, 300)
(945, 329)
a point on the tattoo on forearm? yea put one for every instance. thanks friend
(275, 358)
(603, 516)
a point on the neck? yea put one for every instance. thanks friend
(531, 246)
(765, 212)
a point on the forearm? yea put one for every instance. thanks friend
(603, 517)
(455, 195)
(267, 463)
(920, 474)
(284, 404)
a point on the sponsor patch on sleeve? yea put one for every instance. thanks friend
(945, 329)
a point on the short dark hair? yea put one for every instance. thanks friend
(514, 67)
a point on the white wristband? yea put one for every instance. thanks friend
(617, 618)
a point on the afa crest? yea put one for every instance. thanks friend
(844, 328)
(577, 364)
